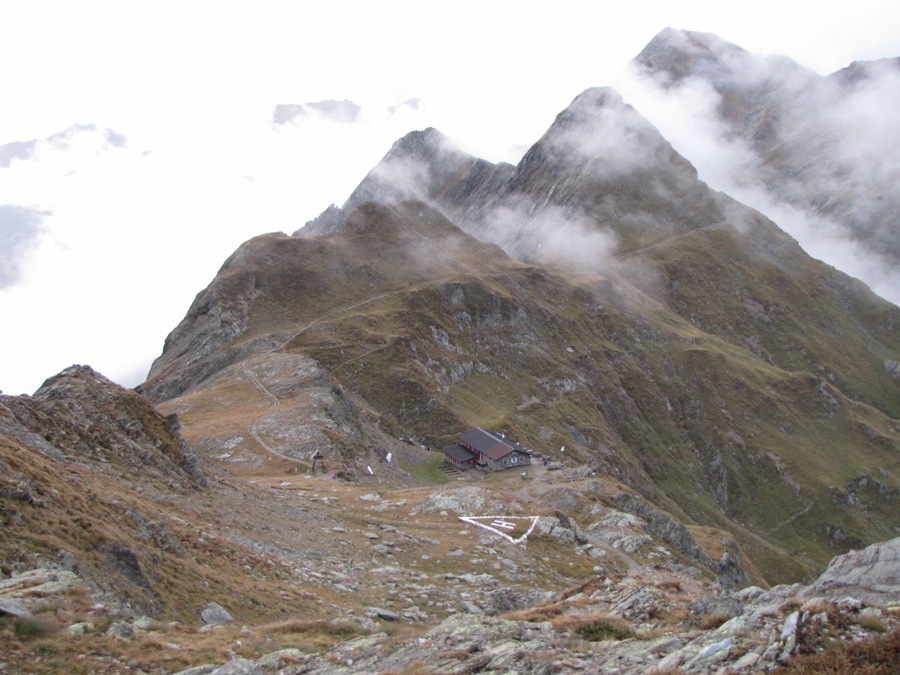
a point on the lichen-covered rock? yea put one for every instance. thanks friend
(214, 614)
(121, 630)
(78, 629)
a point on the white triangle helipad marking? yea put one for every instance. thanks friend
(500, 523)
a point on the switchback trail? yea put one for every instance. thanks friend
(274, 403)
(662, 242)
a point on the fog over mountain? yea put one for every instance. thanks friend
(20, 228)
(574, 409)
(195, 150)
(817, 154)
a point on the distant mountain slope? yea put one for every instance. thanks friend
(666, 335)
(825, 146)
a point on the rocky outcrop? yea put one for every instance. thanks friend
(81, 414)
(871, 575)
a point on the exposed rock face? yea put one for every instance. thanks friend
(214, 614)
(423, 166)
(871, 575)
(65, 455)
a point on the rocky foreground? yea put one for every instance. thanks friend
(655, 619)
(615, 627)
(119, 555)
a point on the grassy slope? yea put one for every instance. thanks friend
(737, 397)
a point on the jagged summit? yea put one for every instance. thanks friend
(274, 283)
(423, 165)
(861, 72)
(596, 177)
(681, 52)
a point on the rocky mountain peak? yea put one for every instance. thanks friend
(600, 129)
(410, 169)
(75, 378)
(860, 72)
(417, 167)
(677, 55)
(82, 416)
(680, 53)
(425, 166)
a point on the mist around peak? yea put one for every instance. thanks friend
(815, 154)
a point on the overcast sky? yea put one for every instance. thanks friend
(155, 153)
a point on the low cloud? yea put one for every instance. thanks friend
(341, 112)
(396, 180)
(550, 236)
(64, 140)
(600, 128)
(831, 180)
(410, 103)
(133, 227)
(20, 230)
(22, 150)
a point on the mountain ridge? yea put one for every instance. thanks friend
(724, 406)
(738, 343)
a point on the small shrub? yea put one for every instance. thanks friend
(458, 654)
(712, 621)
(77, 592)
(33, 628)
(792, 605)
(595, 631)
(536, 614)
(338, 629)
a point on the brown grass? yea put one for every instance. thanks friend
(537, 613)
(414, 668)
(655, 633)
(312, 634)
(34, 627)
(711, 621)
(669, 585)
(874, 656)
(871, 623)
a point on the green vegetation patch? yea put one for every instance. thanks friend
(596, 631)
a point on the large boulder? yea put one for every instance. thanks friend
(871, 575)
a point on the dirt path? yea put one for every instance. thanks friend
(254, 426)
(662, 242)
(792, 518)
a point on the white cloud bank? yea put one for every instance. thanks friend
(860, 130)
(132, 226)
